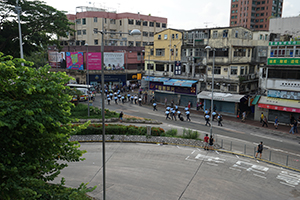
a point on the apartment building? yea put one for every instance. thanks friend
(254, 14)
(280, 82)
(117, 26)
(286, 26)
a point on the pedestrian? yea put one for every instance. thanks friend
(187, 115)
(207, 120)
(276, 122)
(176, 109)
(119, 97)
(131, 98)
(116, 100)
(121, 116)
(189, 105)
(260, 148)
(174, 114)
(154, 107)
(123, 99)
(167, 114)
(220, 119)
(214, 114)
(205, 112)
(206, 139)
(265, 122)
(201, 105)
(108, 100)
(140, 101)
(294, 127)
(261, 117)
(135, 99)
(292, 118)
(238, 113)
(179, 116)
(244, 116)
(211, 143)
(128, 97)
(186, 108)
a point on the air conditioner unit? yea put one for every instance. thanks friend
(252, 76)
(165, 74)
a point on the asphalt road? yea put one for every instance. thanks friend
(148, 171)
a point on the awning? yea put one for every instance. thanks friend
(155, 79)
(180, 82)
(255, 100)
(279, 104)
(220, 96)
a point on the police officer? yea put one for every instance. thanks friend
(187, 115)
(154, 107)
(207, 120)
(116, 100)
(131, 99)
(167, 114)
(128, 97)
(123, 99)
(174, 114)
(214, 114)
(135, 99)
(140, 100)
(220, 119)
(108, 100)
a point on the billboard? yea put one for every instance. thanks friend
(94, 61)
(113, 61)
(57, 59)
(74, 60)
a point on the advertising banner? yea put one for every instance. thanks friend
(57, 59)
(94, 61)
(74, 60)
(182, 90)
(284, 94)
(113, 61)
(283, 61)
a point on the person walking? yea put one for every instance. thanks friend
(265, 122)
(135, 99)
(121, 116)
(214, 114)
(179, 116)
(174, 114)
(116, 100)
(154, 107)
(123, 99)
(261, 117)
(140, 100)
(211, 143)
(206, 139)
(276, 122)
(167, 114)
(260, 148)
(187, 115)
(294, 127)
(128, 97)
(108, 100)
(207, 120)
(189, 105)
(220, 119)
(172, 103)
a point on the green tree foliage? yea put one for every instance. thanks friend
(41, 26)
(35, 127)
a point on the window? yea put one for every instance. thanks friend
(144, 44)
(261, 20)
(138, 44)
(160, 52)
(232, 88)
(151, 52)
(151, 24)
(131, 43)
(78, 21)
(163, 25)
(77, 43)
(262, 8)
(215, 34)
(120, 22)
(159, 37)
(249, 51)
(242, 72)
(236, 34)
(173, 36)
(262, 14)
(83, 21)
(78, 32)
(145, 34)
(217, 70)
(176, 36)
(112, 21)
(151, 34)
(95, 42)
(130, 21)
(95, 19)
(233, 70)
(165, 37)
(105, 21)
(225, 33)
(83, 32)
(145, 23)
(239, 53)
(138, 22)
(157, 25)
(251, 69)
(95, 30)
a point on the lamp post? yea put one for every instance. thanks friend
(18, 10)
(88, 76)
(133, 32)
(208, 48)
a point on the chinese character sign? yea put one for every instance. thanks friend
(74, 60)
(94, 61)
(113, 61)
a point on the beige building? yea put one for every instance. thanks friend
(89, 18)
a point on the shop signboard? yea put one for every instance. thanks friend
(74, 60)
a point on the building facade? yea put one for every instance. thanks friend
(89, 18)
(254, 14)
(286, 26)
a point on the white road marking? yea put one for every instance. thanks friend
(209, 163)
(232, 168)
(237, 156)
(187, 158)
(260, 176)
(250, 169)
(287, 184)
(193, 152)
(291, 179)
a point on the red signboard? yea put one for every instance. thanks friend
(281, 108)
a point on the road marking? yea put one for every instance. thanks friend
(290, 179)
(193, 152)
(209, 163)
(260, 176)
(250, 169)
(287, 184)
(187, 158)
(232, 168)
(266, 137)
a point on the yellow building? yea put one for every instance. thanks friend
(161, 56)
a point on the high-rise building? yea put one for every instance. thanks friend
(254, 14)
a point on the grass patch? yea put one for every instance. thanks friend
(81, 112)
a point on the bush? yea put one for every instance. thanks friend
(155, 131)
(81, 111)
(171, 133)
(190, 134)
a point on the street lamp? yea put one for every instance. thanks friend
(18, 10)
(208, 48)
(88, 76)
(133, 32)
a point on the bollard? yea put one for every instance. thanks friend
(287, 160)
(270, 156)
(148, 130)
(245, 149)
(231, 146)
(222, 143)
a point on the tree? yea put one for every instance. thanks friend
(41, 26)
(35, 127)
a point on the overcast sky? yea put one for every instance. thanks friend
(181, 14)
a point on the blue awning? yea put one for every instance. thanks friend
(155, 79)
(180, 82)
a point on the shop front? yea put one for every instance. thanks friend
(223, 102)
(282, 108)
(110, 80)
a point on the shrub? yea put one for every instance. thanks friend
(155, 131)
(171, 133)
(190, 134)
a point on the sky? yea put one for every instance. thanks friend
(181, 14)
